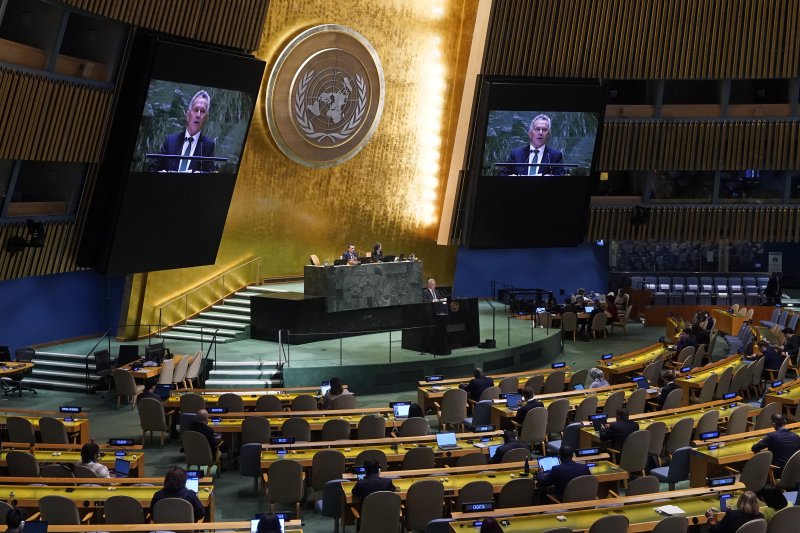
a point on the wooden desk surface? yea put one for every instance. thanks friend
(786, 394)
(9, 368)
(78, 427)
(72, 457)
(233, 424)
(698, 376)
(632, 361)
(28, 495)
(727, 322)
(147, 372)
(292, 525)
(250, 398)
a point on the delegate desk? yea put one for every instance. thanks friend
(670, 417)
(430, 392)
(695, 379)
(726, 321)
(88, 497)
(394, 448)
(232, 422)
(580, 516)
(77, 429)
(71, 454)
(617, 369)
(223, 527)
(709, 458)
(143, 373)
(787, 395)
(501, 415)
(249, 397)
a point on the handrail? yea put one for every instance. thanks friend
(217, 295)
(212, 344)
(91, 352)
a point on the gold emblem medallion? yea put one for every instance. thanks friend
(325, 96)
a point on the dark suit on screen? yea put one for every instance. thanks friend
(428, 296)
(523, 153)
(782, 443)
(562, 474)
(173, 145)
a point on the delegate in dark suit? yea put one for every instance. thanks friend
(665, 390)
(374, 483)
(617, 432)
(562, 474)
(782, 443)
(477, 385)
(522, 154)
(523, 411)
(429, 295)
(173, 145)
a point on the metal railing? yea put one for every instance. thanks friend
(188, 304)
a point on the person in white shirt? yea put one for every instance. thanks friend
(89, 455)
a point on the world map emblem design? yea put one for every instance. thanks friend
(325, 96)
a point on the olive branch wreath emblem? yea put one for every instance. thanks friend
(307, 127)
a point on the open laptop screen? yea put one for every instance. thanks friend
(493, 450)
(588, 309)
(513, 400)
(642, 382)
(446, 439)
(547, 463)
(122, 467)
(401, 410)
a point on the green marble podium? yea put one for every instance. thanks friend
(364, 286)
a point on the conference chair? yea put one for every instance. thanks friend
(680, 436)
(380, 512)
(285, 484)
(325, 466)
(126, 386)
(14, 383)
(198, 452)
(758, 525)
(780, 374)
(706, 393)
(52, 430)
(588, 406)
(60, 511)
(509, 384)
(653, 371)
(419, 458)
(579, 378)
(554, 382)
(756, 471)
(472, 459)
(557, 412)
(481, 415)
(516, 493)
(764, 418)
(672, 524)
(336, 429)
(20, 430)
(516, 455)
(737, 420)
(740, 382)
(489, 393)
(474, 492)
(673, 400)
(724, 383)
(193, 372)
(453, 410)
(658, 433)
(173, 511)
(298, 428)
(345, 401)
(233, 402)
(83, 472)
(56, 470)
(416, 426)
(21, 464)
(678, 469)
(613, 523)
(269, 403)
(599, 323)
(641, 485)
(708, 422)
(614, 402)
(579, 489)
(571, 438)
(123, 510)
(191, 402)
(371, 427)
(790, 477)
(4, 508)
(255, 429)
(622, 323)
(181, 370)
(633, 456)
(533, 428)
(153, 418)
(636, 402)
(304, 402)
(424, 502)
(569, 324)
(167, 370)
(250, 463)
(785, 520)
(758, 371)
(535, 383)
(379, 457)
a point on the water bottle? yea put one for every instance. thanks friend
(527, 468)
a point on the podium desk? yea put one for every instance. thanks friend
(438, 327)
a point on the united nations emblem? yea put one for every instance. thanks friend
(325, 96)
(455, 306)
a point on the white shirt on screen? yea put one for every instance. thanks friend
(536, 159)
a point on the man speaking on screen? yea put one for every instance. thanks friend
(533, 159)
(190, 142)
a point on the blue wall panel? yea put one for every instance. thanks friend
(546, 268)
(42, 309)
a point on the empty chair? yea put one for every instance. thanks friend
(614, 402)
(255, 429)
(298, 428)
(325, 466)
(706, 393)
(191, 403)
(571, 438)
(173, 511)
(516, 493)
(785, 520)
(193, 372)
(375, 455)
(472, 459)
(22, 464)
(123, 510)
(153, 418)
(475, 492)
(380, 511)
(636, 402)
(678, 469)
(724, 383)
(673, 400)
(599, 322)
(20, 430)
(579, 378)
(758, 370)
(633, 456)
(658, 433)
(764, 418)
(419, 458)
(59, 511)
(516, 455)
(371, 427)
(453, 409)
(755, 472)
(533, 429)
(569, 324)
(579, 489)
(250, 463)
(481, 414)
(126, 386)
(304, 402)
(554, 382)
(707, 423)
(336, 429)
(740, 382)
(415, 426)
(424, 502)
(233, 402)
(345, 401)
(509, 384)
(167, 369)
(56, 470)
(285, 484)
(613, 523)
(557, 416)
(737, 420)
(52, 430)
(790, 477)
(198, 451)
(535, 383)
(642, 485)
(680, 436)
(588, 406)
(269, 403)
(758, 525)
(181, 369)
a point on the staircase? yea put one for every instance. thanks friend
(230, 319)
(60, 371)
(245, 375)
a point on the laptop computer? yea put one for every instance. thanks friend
(401, 410)
(598, 420)
(493, 450)
(193, 484)
(447, 441)
(547, 463)
(644, 384)
(163, 391)
(513, 400)
(324, 388)
(588, 309)
(578, 386)
(122, 468)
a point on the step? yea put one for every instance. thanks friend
(243, 374)
(240, 383)
(66, 365)
(247, 294)
(265, 288)
(228, 308)
(210, 324)
(54, 384)
(62, 356)
(61, 375)
(225, 316)
(237, 302)
(178, 336)
(207, 332)
(268, 364)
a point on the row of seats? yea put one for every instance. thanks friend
(704, 290)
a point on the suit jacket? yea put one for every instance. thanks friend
(206, 431)
(173, 144)
(562, 474)
(772, 359)
(428, 297)
(523, 411)
(782, 443)
(732, 521)
(503, 449)
(792, 346)
(617, 432)
(184, 494)
(368, 485)
(662, 397)
(522, 155)
(476, 386)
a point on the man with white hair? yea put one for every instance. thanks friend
(191, 142)
(532, 159)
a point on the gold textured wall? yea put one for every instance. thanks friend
(390, 192)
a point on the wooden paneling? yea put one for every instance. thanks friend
(234, 23)
(52, 120)
(672, 39)
(700, 223)
(57, 255)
